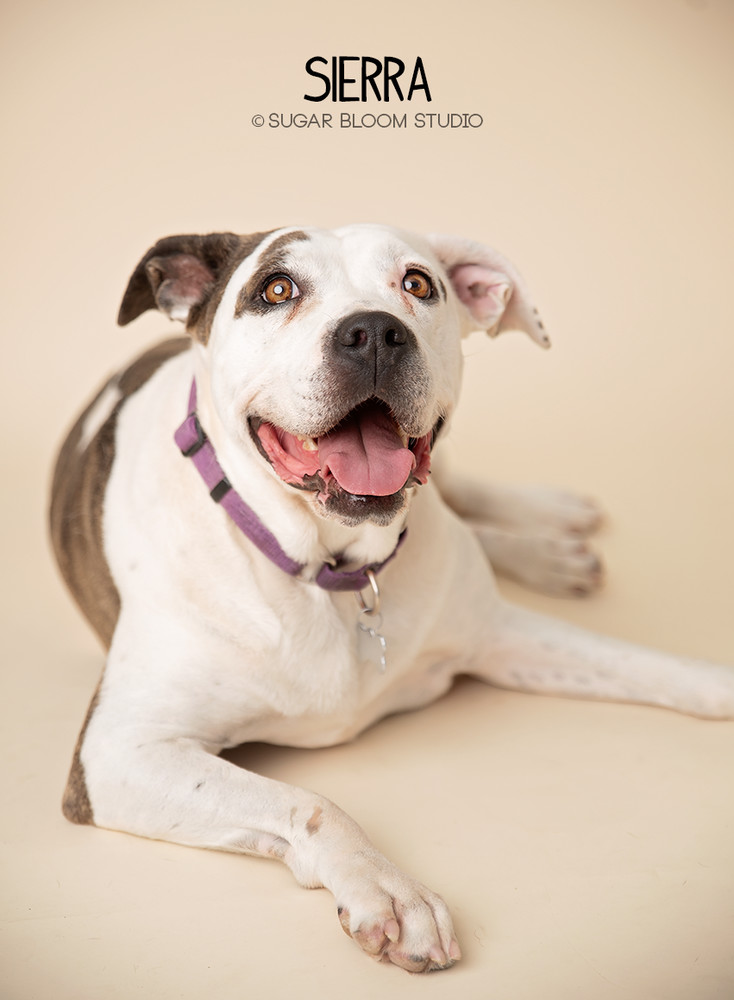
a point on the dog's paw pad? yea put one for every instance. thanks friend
(373, 936)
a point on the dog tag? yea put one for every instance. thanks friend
(371, 643)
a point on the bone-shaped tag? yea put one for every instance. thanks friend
(371, 644)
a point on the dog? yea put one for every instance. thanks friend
(247, 517)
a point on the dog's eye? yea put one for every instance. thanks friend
(418, 284)
(280, 288)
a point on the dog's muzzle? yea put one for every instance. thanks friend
(374, 370)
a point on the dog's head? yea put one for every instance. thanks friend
(334, 355)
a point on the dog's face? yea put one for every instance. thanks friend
(334, 356)
(339, 353)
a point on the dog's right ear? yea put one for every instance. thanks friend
(489, 287)
(184, 277)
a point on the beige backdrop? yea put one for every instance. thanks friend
(587, 851)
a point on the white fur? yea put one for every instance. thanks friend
(98, 414)
(216, 646)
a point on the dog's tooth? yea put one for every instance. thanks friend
(403, 437)
(308, 442)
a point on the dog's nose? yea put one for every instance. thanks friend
(373, 353)
(369, 334)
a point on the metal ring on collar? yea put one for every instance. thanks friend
(364, 607)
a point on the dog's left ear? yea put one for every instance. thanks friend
(183, 277)
(175, 274)
(493, 292)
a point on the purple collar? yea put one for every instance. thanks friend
(194, 444)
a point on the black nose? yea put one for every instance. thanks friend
(374, 337)
(371, 353)
(374, 354)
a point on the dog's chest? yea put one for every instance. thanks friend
(311, 673)
(278, 661)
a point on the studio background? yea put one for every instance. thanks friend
(585, 850)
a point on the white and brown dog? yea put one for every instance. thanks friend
(287, 572)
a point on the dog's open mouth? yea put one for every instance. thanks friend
(366, 454)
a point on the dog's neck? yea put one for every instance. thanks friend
(301, 542)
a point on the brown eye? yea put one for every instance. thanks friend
(418, 284)
(280, 288)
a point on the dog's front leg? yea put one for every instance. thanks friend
(147, 781)
(529, 652)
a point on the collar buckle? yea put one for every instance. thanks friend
(194, 427)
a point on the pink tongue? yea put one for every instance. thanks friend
(365, 454)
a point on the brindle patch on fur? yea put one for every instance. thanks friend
(77, 497)
(75, 803)
(314, 823)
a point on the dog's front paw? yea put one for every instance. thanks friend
(396, 919)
